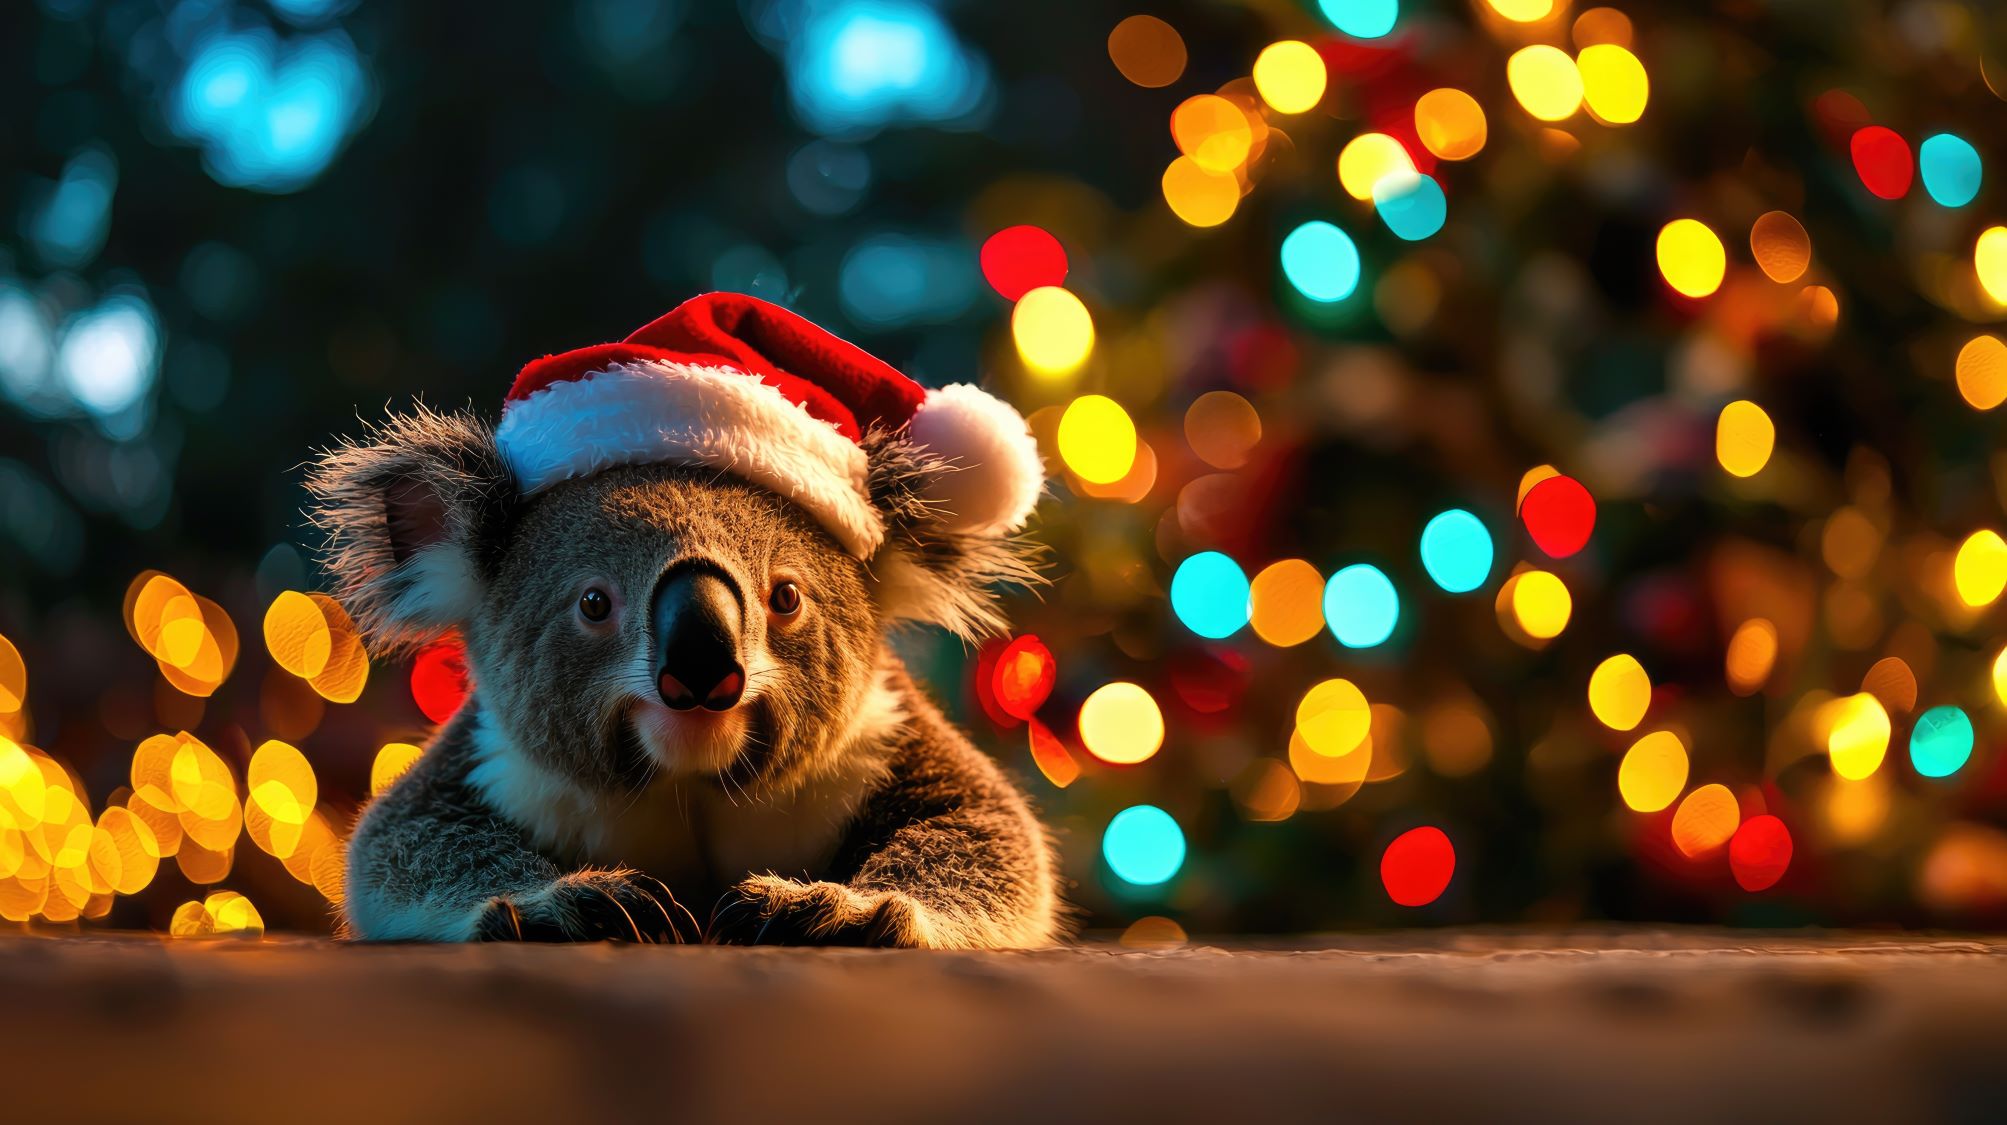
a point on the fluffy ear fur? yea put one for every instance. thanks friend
(405, 510)
(925, 571)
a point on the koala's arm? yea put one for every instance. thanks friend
(429, 861)
(944, 854)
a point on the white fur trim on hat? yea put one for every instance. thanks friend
(998, 472)
(657, 411)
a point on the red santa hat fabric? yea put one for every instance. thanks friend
(731, 382)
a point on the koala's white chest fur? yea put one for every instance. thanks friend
(684, 829)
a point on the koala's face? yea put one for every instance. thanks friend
(657, 620)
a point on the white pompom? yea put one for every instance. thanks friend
(998, 473)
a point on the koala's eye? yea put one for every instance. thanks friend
(785, 599)
(594, 604)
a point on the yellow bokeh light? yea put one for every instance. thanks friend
(1213, 132)
(1705, 821)
(393, 761)
(139, 851)
(1743, 438)
(1531, 477)
(1653, 772)
(1541, 604)
(1097, 439)
(1620, 692)
(1198, 197)
(1450, 123)
(1857, 735)
(1691, 257)
(1334, 718)
(1523, 11)
(1312, 768)
(1286, 603)
(1989, 261)
(1614, 85)
(1602, 25)
(1053, 331)
(13, 678)
(1752, 652)
(1980, 569)
(1120, 723)
(1981, 373)
(1290, 76)
(1782, 249)
(2000, 677)
(1366, 159)
(1545, 81)
(347, 669)
(281, 783)
(296, 634)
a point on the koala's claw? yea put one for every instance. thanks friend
(589, 906)
(772, 911)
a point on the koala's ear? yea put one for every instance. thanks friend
(928, 569)
(405, 510)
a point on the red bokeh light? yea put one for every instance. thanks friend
(1017, 260)
(1417, 866)
(439, 680)
(1559, 514)
(1023, 677)
(1050, 755)
(1883, 160)
(1760, 852)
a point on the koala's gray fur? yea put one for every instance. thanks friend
(834, 806)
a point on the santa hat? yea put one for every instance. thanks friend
(731, 382)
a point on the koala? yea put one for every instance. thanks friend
(686, 722)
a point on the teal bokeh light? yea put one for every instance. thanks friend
(1412, 205)
(1209, 593)
(1362, 19)
(1360, 606)
(1143, 845)
(1321, 261)
(1951, 169)
(1457, 551)
(1941, 743)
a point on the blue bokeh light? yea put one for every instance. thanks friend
(1360, 606)
(855, 66)
(1412, 205)
(1457, 551)
(70, 227)
(1941, 742)
(1143, 845)
(1951, 169)
(1321, 261)
(109, 358)
(1362, 19)
(269, 114)
(889, 280)
(1209, 593)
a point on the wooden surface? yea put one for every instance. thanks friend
(1688, 1026)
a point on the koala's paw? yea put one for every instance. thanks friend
(769, 910)
(590, 906)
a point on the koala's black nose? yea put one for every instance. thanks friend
(697, 619)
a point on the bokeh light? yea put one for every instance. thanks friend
(1333, 718)
(1360, 606)
(1951, 169)
(1143, 846)
(1456, 551)
(1121, 724)
(1989, 262)
(1614, 85)
(1857, 735)
(1213, 132)
(1782, 249)
(1290, 76)
(1883, 161)
(1147, 51)
(1691, 258)
(439, 679)
(1417, 866)
(1019, 259)
(1287, 602)
(1321, 261)
(1053, 331)
(1653, 772)
(1411, 204)
(1941, 742)
(1361, 19)
(1759, 853)
(1743, 438)
(1981, 371)
(1979, 570)
(1559, 515)
(1705, 820)
(1097, 439)
(1023, 677)
(1199, 197)
(1222, 428)
(1209, 593)
(1539, 602)
(1620, 692)
(1367, 159)
(1450, 123)
(1545, 81)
